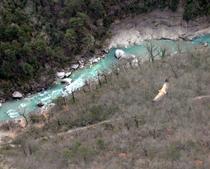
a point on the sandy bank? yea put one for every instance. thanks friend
(155, 25)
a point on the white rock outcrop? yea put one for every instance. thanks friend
(94, 60)
(155, 25)
(81, 63)
(67, 74)
(75, 66)
(81, 66)
(17, 95)
(60, 75)
(66, 81)
(119, 53)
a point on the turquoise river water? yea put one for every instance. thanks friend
(13, 109)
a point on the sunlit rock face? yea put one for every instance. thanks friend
(120, 54)
(155, 25)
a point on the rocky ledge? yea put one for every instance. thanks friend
(156, 25)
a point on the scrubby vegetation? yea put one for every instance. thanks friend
(38, 37)
(195, 8)
(114, 124)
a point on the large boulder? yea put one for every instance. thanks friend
(75, 66)
(81, 62)
(205, 44)
(66, 81)
(60, 75)
(119, 53)
(40, 104)
(17, 95)
(67, 74)
(94, 60)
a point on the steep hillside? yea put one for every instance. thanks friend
(39, 37)
(115, 125)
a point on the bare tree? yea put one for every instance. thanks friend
(153, 50)
(162, 52)
(178, 47)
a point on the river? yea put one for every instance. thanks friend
(13, 109)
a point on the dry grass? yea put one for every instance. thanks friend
(171, 134)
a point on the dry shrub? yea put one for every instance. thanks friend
(170, 134)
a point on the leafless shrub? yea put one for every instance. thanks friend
(152, 50)
(172, 133)
(37, 118)
(10, 125)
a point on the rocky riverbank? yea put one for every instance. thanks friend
(46, 81)
(131, 30)
(38, 84)
(156, 25)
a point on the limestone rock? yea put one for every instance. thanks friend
(66, 81)
(119, 53)
(94, 60)
(17, 95)
(75, 66)
(60, 75)
(67, 74)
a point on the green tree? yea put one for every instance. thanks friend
(6, 70)
(88, 42)
(97, 8)
(27, 70)
(73, 6)
(173, 5)
(71, 39)
(76, 22)
(39, 44)
(79, 21)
